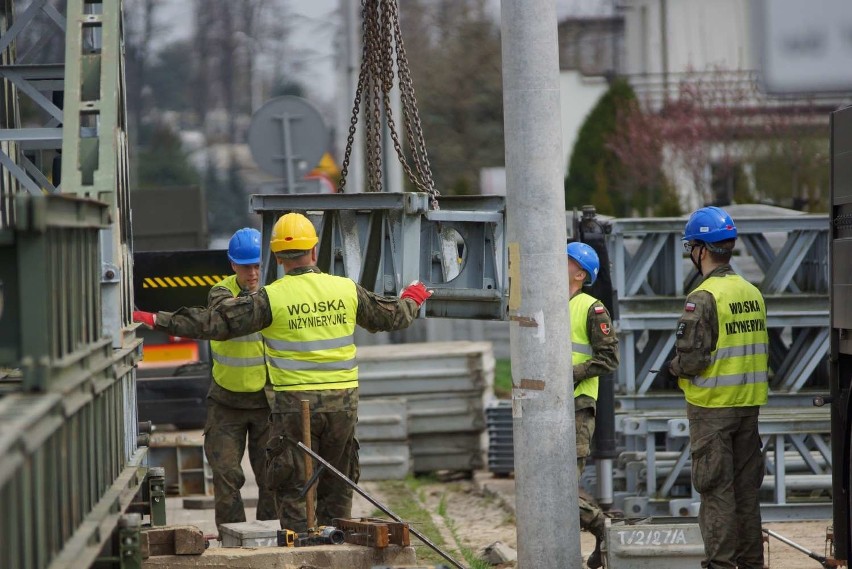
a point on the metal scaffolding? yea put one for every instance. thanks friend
(786, 257)
(69, 448)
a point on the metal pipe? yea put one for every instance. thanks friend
(816, 557)
(605, 486)
(391, 165)
(378, 504)
(542, 410)
(793, 461)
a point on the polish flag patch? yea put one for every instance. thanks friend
(690, 307)
(599, 309)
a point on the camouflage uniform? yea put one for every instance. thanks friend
(224, 445)
(231, 418)
(727, 462)
(604, 360)
(333, 412)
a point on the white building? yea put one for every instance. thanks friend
(665, 38)
(711, 44)
(590, 51)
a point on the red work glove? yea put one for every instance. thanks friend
(146, 318)
(417, 292)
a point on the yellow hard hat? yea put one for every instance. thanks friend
(293, 231)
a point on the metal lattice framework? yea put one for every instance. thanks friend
(786, 257)
(384, 241)
(654, 476)
(69, 460)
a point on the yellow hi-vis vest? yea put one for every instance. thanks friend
(579, 306)
(738, 372)
(310, 344)
(238, 364)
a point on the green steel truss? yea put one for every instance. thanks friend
(69, 461)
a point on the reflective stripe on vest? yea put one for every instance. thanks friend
(285, 346)
(238, 364)
(310, 343)
(581, 352)
(738, 373)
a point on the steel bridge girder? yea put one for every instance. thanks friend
(384, 241)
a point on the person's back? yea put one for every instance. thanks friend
(311, 357)
(594, 352)
(310, 342)
(737, 375)
(721, 362)
(310, 345)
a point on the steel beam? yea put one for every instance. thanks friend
(780, 273)
(383, 241)
(645, 462)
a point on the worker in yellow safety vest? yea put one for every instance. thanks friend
(307, 319)
(237, 405)
(721, 362)
(594, 352)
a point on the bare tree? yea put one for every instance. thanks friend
(229, 39)
(717, 125)
(454, 53)
(638, 144)
(140, 35)
(792, 156)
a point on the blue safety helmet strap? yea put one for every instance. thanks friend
(244, 247)
(587, 258)
(710, 225)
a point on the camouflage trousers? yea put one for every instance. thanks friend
(224, 445)
(591, 517)
(727, 470)
(333, 438)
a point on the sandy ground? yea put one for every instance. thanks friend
(480, 518)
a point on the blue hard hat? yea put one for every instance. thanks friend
(588, 260)
(244, 247)
(709, 224)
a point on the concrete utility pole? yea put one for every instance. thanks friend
(542, 397)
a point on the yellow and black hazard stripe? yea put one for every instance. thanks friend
(181, 281)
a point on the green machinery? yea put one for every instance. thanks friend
(72, 459)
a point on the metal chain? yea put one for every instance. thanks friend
(381, 33)
(371, 109)
(414, 130)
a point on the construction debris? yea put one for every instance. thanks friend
(374, 532)
(498, 553)
(174, 540)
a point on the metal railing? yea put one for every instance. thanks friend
(733, 89)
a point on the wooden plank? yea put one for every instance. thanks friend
(398, 532)
(362, 532)
(175, 540)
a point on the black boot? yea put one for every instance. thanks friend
(595, 560)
